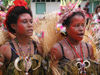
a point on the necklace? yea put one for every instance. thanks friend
(20, 50)
(27, 62)
(81, 64)
(74, 49)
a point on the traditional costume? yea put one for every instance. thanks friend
(24, 65)
(52, 31)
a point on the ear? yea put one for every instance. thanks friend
(13, 26)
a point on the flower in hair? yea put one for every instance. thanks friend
(3, 14)
(20, 3)
(61, 28)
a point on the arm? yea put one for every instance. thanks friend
(1, 56)
(56, 53)
(4, 53)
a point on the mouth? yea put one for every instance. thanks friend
(81, 34)
(30, 30)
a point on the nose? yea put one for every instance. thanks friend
(30, 24)
(81, 28)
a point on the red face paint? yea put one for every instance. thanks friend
(77, 28)
(21, 28)
(24, 24)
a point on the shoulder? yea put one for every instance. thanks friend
(5, 50)
(90, 49)
(89, 46)
(56, 50)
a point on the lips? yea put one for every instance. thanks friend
(30, 30)
(81, 34)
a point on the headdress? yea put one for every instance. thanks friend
(15, 3)
(67, 8)
(68, 5)
(20, 3)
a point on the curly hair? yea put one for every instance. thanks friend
(13, 15)
(67, 21)
(96, 9)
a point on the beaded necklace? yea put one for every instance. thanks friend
(21, 52)
(27, 60)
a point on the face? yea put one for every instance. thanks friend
(98, 10)
(25, 25)
(76, 28)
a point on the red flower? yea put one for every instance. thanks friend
(20, 3)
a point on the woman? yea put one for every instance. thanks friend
(19, 54)
(96, 16)
(72, 47)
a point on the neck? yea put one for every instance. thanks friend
(73, 41)
(23, 39)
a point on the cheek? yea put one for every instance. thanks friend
(72, 31)
(21, 28)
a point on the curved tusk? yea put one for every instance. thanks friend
(78, 63)
(16, 63)
(86, 61)
(37, 57)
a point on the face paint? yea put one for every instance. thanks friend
(21, 28)
(77, 28)
(24, 25)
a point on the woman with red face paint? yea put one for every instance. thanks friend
(71, 54)
(21, 55)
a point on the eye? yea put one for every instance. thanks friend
(24, 21)
(82, 25)
(77, 25)
(31, 21)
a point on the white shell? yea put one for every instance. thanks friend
(87, 62)
(16, 63)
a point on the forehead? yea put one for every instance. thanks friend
(77, 19)
(25, 16)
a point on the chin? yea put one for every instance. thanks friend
(29, 35)
(79, 39)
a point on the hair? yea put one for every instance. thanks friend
(86, 9)
(13, 15)
(97, 8)
(87, 4)
(67, 21)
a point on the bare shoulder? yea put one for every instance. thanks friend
(5, 48)
(90, 48)
(4, 52)
(56, 51)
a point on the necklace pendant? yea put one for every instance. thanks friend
(26, 73)
(87, 63)
(27, 64)
(82, 65)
